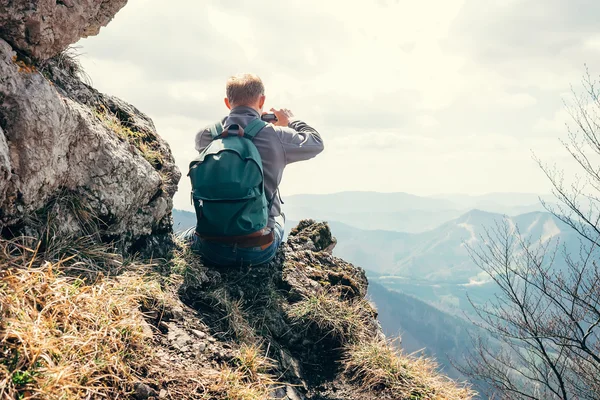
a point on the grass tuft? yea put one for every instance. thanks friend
(235, 316)
(69, 61)
(61, 338)
(339, 318)
(248, 379)
(378, 366)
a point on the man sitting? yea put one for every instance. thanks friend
(235, 190)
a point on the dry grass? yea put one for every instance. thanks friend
(339, 318)
(378, 366)
(235, 316)
(374, 364)
(185, 262)
(248, 380)
(81, 256)
(64, 338)
(61, 338)
(69, 61)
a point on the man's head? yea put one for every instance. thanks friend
(245, 90)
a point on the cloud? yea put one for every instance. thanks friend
(528, 42)
(425, 97)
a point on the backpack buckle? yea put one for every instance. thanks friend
(199, 209)
(240, 131)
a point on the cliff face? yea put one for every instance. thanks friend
(89, 162)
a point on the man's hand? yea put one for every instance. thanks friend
(283, 116)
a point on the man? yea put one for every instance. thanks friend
(285, 141)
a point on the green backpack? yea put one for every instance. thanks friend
(228, 189)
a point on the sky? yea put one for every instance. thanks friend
(428, 97)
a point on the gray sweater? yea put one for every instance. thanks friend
(278, 146)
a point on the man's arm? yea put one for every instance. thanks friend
(299, 140)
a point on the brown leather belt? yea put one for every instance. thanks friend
(256, 239)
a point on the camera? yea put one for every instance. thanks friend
(269, 117)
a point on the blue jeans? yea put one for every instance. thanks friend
(226, 255)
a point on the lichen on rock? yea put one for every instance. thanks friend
(62, 140)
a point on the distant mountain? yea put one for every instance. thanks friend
(496, 200)
(401, 211)
(183, 220)
(435, 266)
(439, 255)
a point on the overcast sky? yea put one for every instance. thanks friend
(428, 97)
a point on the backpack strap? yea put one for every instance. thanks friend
(216, 130)
(273, 199)
(254, 127)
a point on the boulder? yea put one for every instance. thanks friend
(43, 28)
(77, 160)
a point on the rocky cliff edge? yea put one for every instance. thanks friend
(299, 327)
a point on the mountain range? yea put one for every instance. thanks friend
(435, 266)
(404, 212)
(439, 255)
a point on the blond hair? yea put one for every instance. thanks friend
(244, 89)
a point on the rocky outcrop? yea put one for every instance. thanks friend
(43, 28)
(273, 305)
(72, 158)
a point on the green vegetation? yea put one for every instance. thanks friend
(144, 142)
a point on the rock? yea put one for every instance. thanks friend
(179, 338)
(309, 273)
(43, 28)
(269, 299)
(278, 393)
(290, 364)
(66, 157)
(144, 392)
(200, 347)
(147, 331)
(183, 349)
(199, 334)
(163, 394)
(177, 313)
(292, 394)
(313, 236)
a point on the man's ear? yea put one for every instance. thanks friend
(227, 103)
(261, 101)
